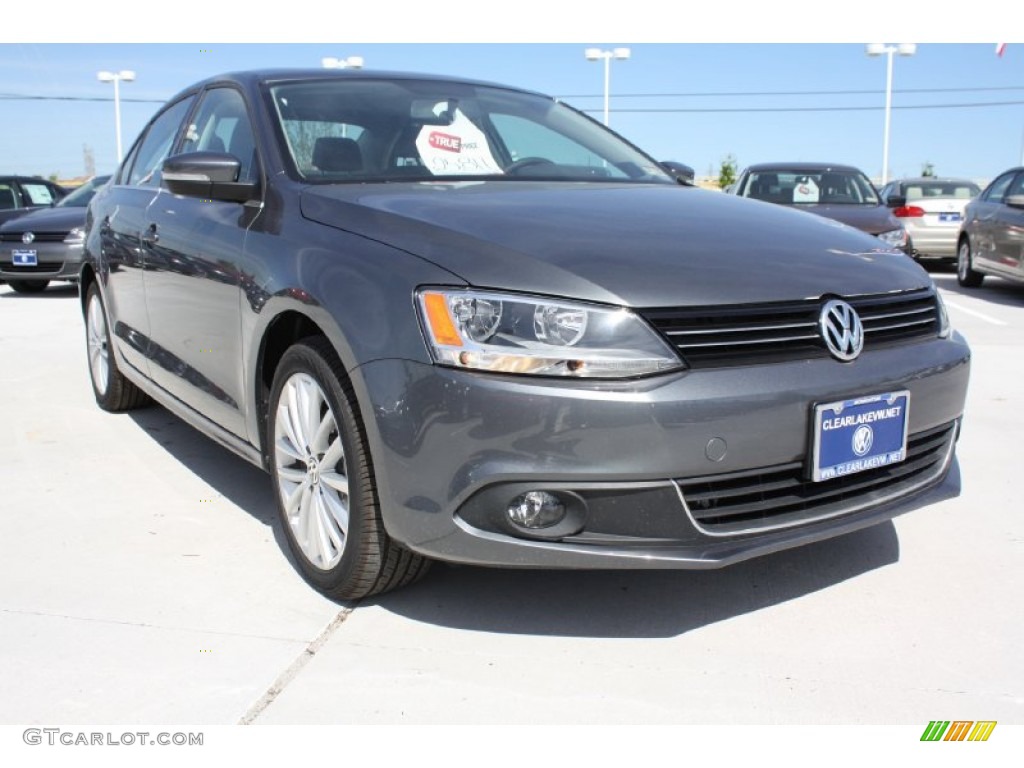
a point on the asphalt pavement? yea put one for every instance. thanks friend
(142, 580)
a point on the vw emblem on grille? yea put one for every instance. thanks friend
(841, 329)
(863, 437)
(28, 237)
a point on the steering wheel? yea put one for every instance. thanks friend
(526, 162)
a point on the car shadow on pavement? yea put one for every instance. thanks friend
(635, 604)
(626, 604)
(62, 291)
(238, 481)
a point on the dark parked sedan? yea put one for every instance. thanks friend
(46, 244)
(839, 192)
(992, 236)
(461, 321)
(21, 194)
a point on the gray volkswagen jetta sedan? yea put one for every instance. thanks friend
(460, 321)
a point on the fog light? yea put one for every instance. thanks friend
(536, 509)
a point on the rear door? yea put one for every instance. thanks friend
(981, 220)
(1008, 231)
(121, 220)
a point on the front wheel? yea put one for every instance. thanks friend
(324, 483)
(965, 274)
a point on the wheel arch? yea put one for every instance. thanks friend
(284, 329)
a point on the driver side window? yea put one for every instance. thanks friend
(222, 125)
(997, 189)
(155, 148)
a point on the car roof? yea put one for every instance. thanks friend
(36, 179)
(933, 179)
(802, 166)
(254, 77)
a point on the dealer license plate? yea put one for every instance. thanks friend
(855, 435)
(24, 259)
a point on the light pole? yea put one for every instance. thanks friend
(352, 62)
(877, 49)
(596, 54)
(116, 77)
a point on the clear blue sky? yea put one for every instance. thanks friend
(43, 137)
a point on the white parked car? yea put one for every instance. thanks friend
(931, 209)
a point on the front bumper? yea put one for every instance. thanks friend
(56, 261)
(452, 448)
(934, 243)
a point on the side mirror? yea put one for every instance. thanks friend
(207, 175)
(1015, 201)
(896, 201)
(681, 172)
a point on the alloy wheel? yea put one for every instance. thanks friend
(96, 339)
(309, 460)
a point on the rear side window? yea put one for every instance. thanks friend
(8, 197)
(157, 145)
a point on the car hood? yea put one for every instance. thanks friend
(48, 220)
(639, 245)
(867, 218)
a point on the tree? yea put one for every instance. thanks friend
(727, 172)
(927, 169)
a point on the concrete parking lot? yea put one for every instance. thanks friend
(142, 581)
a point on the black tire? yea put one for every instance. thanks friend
(28, 286)
(112, 390)
(369, 561)
(965, 274)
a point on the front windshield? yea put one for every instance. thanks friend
(389, 130)
(80, 197)
(815, 187)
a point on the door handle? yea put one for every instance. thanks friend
(150, 237)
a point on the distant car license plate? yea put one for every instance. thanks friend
(952, 218)
(855, 435)
(24, 259)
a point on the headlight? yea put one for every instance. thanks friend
(546, 337)
(897, 238)
(76, 236)
(944, 327)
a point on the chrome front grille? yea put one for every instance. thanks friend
(783, 495)
(761, 333)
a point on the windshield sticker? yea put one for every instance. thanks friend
(460, 149)
(445, 141)
(806, 191)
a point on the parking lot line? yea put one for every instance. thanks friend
(974, 313)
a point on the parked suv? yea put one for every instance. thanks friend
(461, 321)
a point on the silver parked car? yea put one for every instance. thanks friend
(931, 210)
(992, 236)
